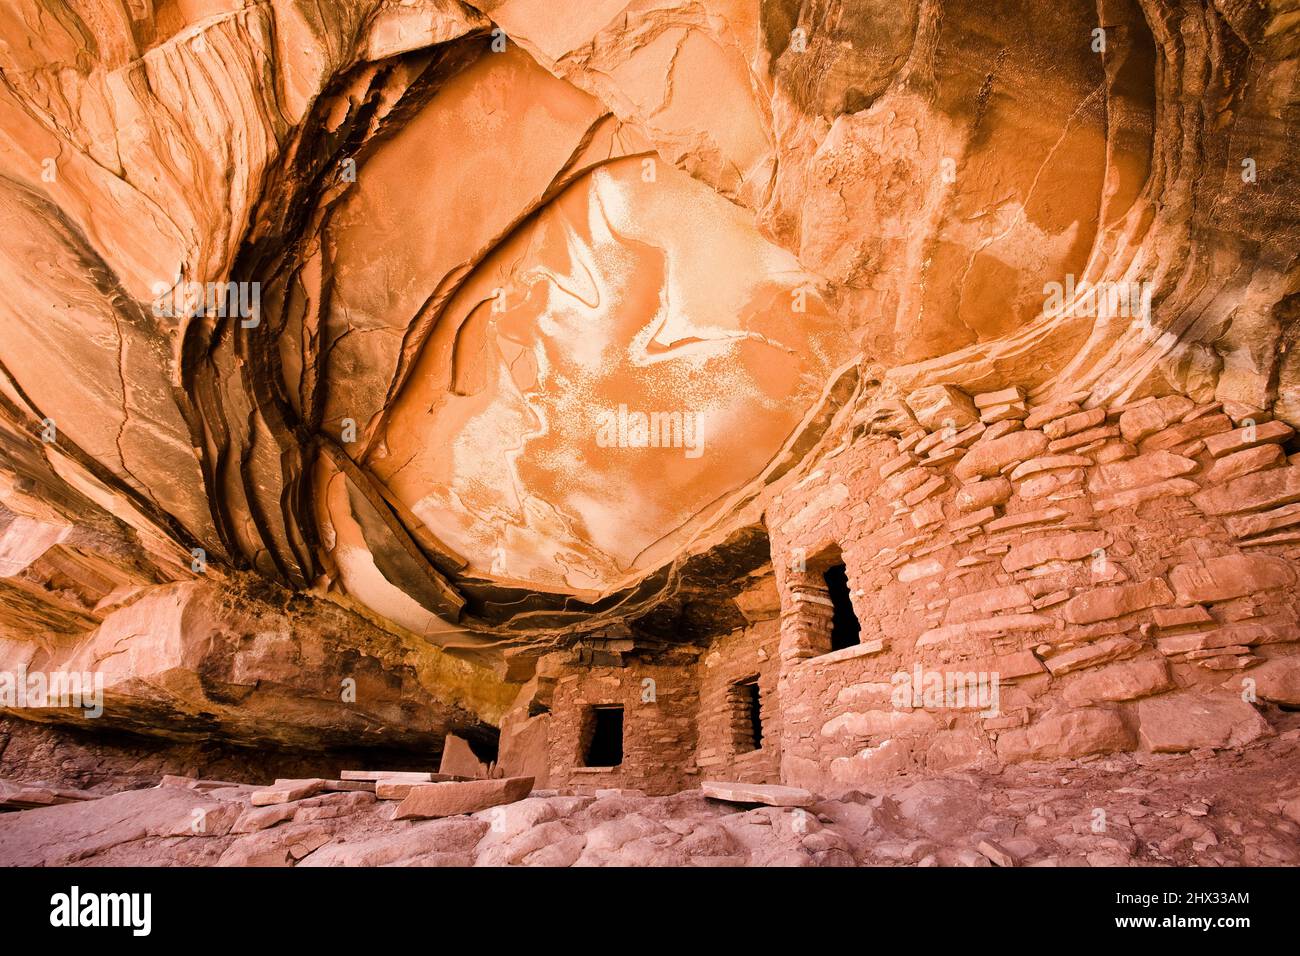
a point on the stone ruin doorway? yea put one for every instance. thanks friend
(602, 736)
(846, 631)
(746, 715)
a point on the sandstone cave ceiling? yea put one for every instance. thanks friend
(477, 227)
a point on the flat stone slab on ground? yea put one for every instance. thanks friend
(191, 783)
(398, 776)
(1192, 720)
(429, 801)
(26, 798)
(19, 796)
(396, 789)
(286, 791)
(406, 776)
(771, 794)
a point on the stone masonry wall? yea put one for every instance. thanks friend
(658, 726)
(686, 726)
(1127, 574)
(722, 753)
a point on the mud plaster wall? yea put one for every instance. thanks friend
(1121, 570)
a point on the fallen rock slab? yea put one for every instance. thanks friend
(286, 791)
(190, 783)
(403, 776)
(444, 842)
(430, 801)
(263, 818)
(773, 795)
(18, 797)
(1177, 723)
(1077, 733)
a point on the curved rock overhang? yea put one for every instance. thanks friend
(448, 430)
(913, 177)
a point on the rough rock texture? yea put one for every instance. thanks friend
(1156, 810)
(374, 371)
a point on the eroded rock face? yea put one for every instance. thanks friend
(455, 333)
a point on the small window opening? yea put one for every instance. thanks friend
(747, 715)
(605, 736)
(845, 629)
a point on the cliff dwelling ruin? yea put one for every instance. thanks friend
(725, 406)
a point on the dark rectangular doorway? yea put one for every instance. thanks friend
(845, 629)
(747, 710)
(604, 736)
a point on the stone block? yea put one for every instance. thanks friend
(1103, 604)
(1230, 576)
(1180, 722)
(941, 406)
(771, 795)
(433, 800)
